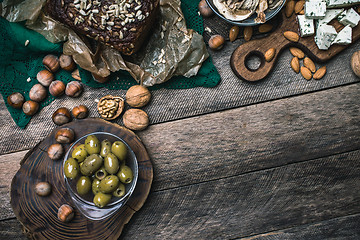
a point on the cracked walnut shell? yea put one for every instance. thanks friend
(110, 107)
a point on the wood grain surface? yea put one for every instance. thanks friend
(281, 166)
(39, 214)
(277, 40)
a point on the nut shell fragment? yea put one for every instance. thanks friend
(110, 107)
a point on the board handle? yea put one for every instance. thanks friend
(239, 60)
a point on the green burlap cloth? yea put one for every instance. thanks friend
(19, 64)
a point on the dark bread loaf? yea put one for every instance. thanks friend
(122, 24)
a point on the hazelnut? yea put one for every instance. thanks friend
(74, 89)
(76, 75)
(64, 135)
(99, 78)
(66, 62)
(30, 107)
(80, 112)
(55, 151)
(51, 63)
(45, 77)
(57, 88)
(37, 93)
(42, 189)
(204, 9)
(61, 116)
(135, 119)
(65, 213)
(355, 63)
(216, 42)
(138, 96)
(16, 100)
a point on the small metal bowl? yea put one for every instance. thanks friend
(250, 21)
(84, 203)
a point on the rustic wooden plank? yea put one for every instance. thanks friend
(253, 203)
(9, 164)
(264, 201)
(11, 229)
(254, 137)
(346, 228)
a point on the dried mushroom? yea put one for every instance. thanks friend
(110, 107)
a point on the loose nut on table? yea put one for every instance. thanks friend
(51, 62)
(216, 42)
(61, 116)
(65, 213)
(233, 33)
(74, 89)
(38, 93)
(110, 107)
(355, 63)
(30, 107)
(16, 100)
(45, 77)
(248, 32)
(67, 63)
(204, 9)
(64, 135)
(43, 189)
(136, 119)
(138, 96)
(57, 88)
(80, 112)
(55, 151)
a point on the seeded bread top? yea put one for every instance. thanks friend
(121, 24)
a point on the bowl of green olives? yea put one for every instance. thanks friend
(100, 172)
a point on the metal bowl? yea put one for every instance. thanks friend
(269, 14)
(84, 203)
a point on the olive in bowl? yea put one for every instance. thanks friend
(100, 172)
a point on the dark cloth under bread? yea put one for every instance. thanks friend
(121, 24)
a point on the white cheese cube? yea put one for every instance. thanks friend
(306, 26)
(330, 15)
(341, 3)
(315, 9)
(344, 36)
(350, 17)
(325, 35)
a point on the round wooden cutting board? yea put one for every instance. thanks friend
(38, 215)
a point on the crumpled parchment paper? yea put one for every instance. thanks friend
(171, 49)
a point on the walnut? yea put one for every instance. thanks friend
(138, 96)
(110, 107)
(135, 119)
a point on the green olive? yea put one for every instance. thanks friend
(119, 149)
(83, 185)
(71, 168)
(125, 174)
(111, 163)
(79, 153)
(101, 173)
(109, 184)
(91, 164)
(92, 144)
(95, 186)
(105, 148)
(101, 199)
(120, 191)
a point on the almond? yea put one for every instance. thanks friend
(305, 72)
(264, 28)
(320, 73)
(309, 64)
(299, 6)
(269, 54)
(297, 52)
(289, 8)
(295, 65)
(234, 32)
(248, 31)
(302, 12)
(291, 36)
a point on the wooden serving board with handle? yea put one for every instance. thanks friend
(38, 215)
(277, 40)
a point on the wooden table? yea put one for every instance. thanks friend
(284, 168)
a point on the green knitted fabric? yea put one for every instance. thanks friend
(19, 64)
